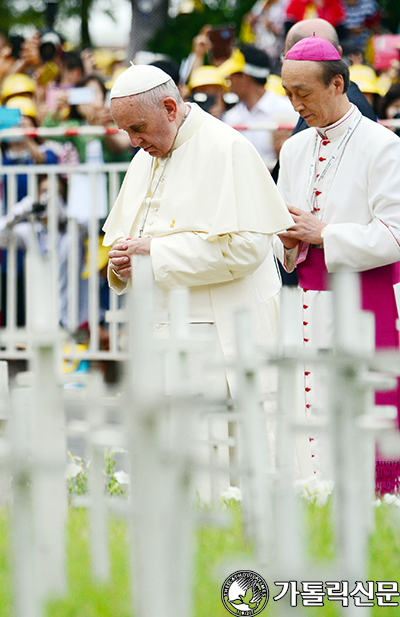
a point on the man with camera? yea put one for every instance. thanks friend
(248, 70)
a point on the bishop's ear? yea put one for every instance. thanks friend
(338, 82)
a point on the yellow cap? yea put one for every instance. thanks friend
(234, 64)
(103, 58)
(102, 258)
(365, 78)
(274, 84)
(24, 104)
(207, 76)
(109, 84)
(18, 83)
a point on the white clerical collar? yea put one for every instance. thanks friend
(339, 127)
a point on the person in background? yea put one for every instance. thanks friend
(26, 150)
(367, 81)
(390, 106)
(16, 225)
(20, 151)
(207, 87)
(248, 70)
(263, 26)
(113, 147)
(17, 84)
(72, 70)
(333, 11)
(363, 18)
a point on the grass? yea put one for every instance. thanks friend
(214, 544)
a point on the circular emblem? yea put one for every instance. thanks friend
(245, 593)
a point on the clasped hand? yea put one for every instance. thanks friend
(306, 228)
(120, 254)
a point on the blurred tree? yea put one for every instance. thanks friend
(153, 26)
(390, 14)
(148, 17)
(175, 37)
(49, 14)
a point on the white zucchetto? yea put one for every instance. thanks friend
(138, 78)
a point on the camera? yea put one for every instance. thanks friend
(203, 100)
(222, 39)
(50, 45)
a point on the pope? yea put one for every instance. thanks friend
(198, 199)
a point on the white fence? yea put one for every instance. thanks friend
(161, 412)
(70, 253)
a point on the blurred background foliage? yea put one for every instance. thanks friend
(171, 35)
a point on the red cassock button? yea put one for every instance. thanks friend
(326, 142)
(321, 158)
(318, 193)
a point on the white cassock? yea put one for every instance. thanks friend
(211, 211)
(347, 174)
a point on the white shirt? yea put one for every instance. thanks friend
(269, 105)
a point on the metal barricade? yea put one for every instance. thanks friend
(73, 255)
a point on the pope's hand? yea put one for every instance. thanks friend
(120, 254)
(307, 228)
(287, 241)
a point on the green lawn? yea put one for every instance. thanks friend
(214, 544)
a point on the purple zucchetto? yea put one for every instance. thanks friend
(313, 48)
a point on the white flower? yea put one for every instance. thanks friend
(233, 492)
(314, 490)
(121, 477)
(73, 470)
(391, 499)
(377, 503)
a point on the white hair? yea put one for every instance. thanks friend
(155, 96)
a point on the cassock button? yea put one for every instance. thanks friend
(305, 323)
(306, 340)
(326, 142)
(307, 389)
(305, 306)
(318, 193)
(321, 158)
(308, 407)
(306, 373)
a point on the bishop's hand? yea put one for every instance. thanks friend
(307, 228)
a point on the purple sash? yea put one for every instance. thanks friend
(377, 295)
